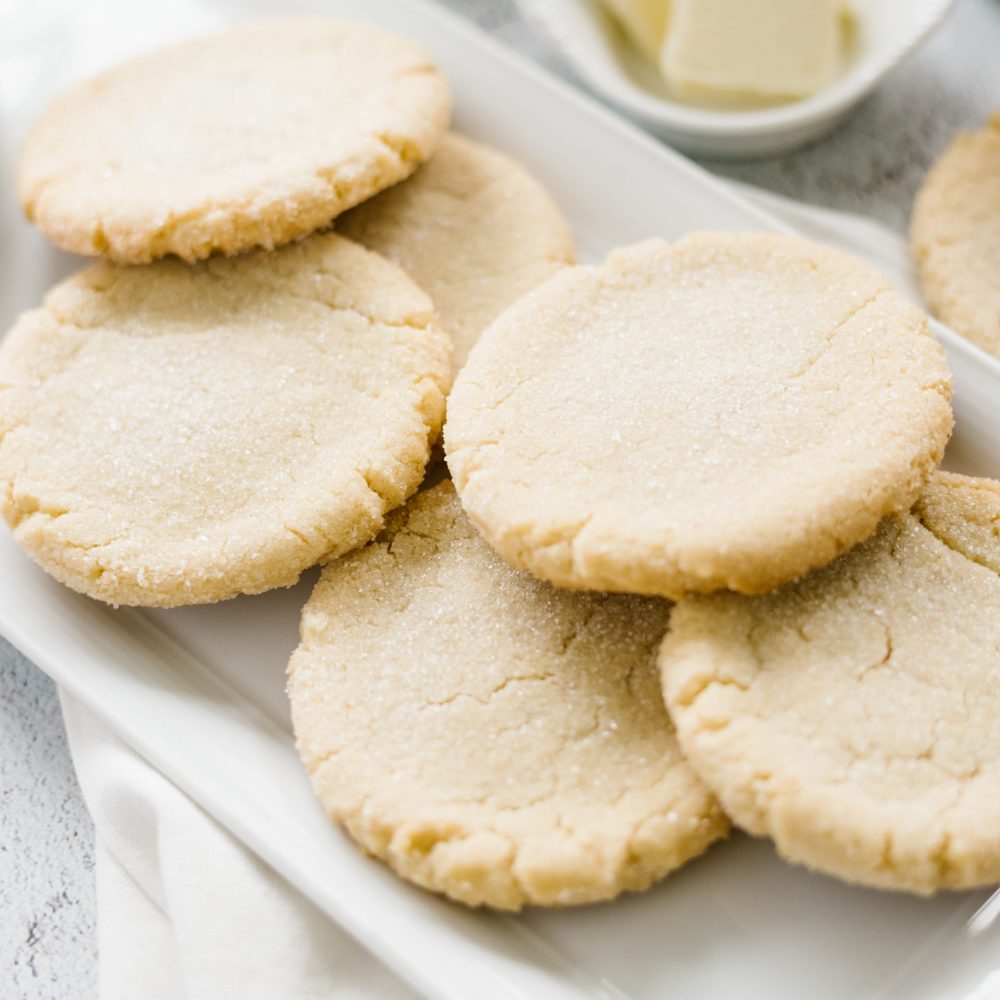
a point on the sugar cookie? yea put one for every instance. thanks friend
(254, 137)
(853, 715)
(956, 236)
(473, 228)
(727, 411)
(489, 736)
(178, 435)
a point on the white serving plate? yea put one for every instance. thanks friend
(884, 33)
(200, 691)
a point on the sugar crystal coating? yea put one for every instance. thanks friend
(473, 228)
(853, 715)
(726, 411)
(176, 435)
(487, 735)
(956, 236)
(253, 137)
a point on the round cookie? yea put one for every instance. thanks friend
(488, 736)
(255, 137)
(473, 228)
(727, 411)
(956, 236)
(853, 715)
(179, 435)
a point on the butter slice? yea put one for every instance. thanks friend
(755, 48)
(644, 21)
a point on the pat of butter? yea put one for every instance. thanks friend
(644, 21)
(759, 48)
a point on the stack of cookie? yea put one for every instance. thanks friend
(747, 424)
(204, 426)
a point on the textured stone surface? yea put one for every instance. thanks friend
(873, 164)
(47, 945)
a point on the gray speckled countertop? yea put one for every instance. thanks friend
(46, 846)
(872, 165)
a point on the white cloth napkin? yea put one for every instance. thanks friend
(184, 910)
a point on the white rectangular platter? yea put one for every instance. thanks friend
(200, 691)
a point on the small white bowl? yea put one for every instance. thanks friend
(883, 33)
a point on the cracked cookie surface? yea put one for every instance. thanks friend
(725, 412)
(473, 228)
(487, 735)
(179, 435)
(255, 137)
(955, 235)
(853, 716)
